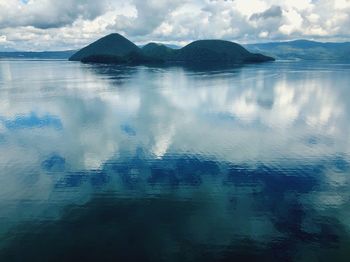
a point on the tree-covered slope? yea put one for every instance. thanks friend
(110, 45)
(158, 51)
(208, 51)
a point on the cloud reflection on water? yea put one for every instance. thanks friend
(263, 149)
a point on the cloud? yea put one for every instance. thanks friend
(150, 15)
(47, 24)
(46, 14)
(272, 12)
(2, 38)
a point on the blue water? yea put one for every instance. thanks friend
(115, 163)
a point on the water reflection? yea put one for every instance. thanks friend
(177, 163)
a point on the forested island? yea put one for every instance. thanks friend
(116, 49)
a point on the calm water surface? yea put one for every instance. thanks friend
(108, 163)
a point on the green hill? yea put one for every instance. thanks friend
(110, 45)
(158, 51)
(132, 58)
(210, 51)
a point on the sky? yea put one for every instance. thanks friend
(36, 25)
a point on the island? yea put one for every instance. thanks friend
(116, 49)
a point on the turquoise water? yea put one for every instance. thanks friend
(113, 163)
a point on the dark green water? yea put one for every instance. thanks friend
(107, 163)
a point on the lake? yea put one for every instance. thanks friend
(116, 163)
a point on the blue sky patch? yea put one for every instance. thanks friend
(129, 130)
(33, 121)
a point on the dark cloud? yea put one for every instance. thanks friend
(273, 12)
(44, 14)
(150, 15)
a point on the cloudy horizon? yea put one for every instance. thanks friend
(37, 25)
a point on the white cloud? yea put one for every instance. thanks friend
(2, 38)
(264, 34)
(294, 22)
(341, 4)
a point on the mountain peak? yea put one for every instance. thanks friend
(110, 45)
(152, 44)
(114, 36)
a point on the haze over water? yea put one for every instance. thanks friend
(101, 162)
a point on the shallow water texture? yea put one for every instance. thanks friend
(111, 163)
